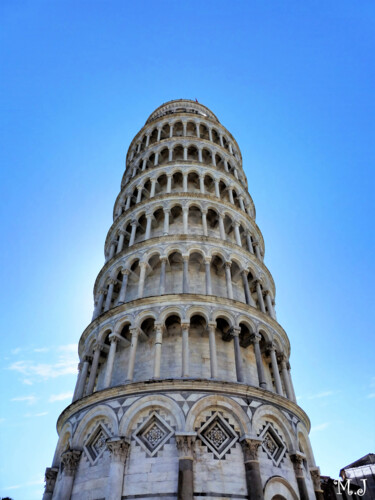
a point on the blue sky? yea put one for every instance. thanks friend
(294, 83)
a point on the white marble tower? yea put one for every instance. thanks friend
(184, 388)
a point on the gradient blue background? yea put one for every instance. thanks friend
(293, 81)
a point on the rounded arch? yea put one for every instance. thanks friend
(304, 442)
(198, 310)
(97, 413)
(270, 413)
(104, 332)
(145, 315)
(153, 402)
(63, 443)
(249, 323)
(278, 488)
(224, 315)
(170, 311)
(219, 402)
(121, 323)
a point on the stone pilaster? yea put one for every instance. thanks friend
(119, 449)
(50, 481)
(185, 447)
(297, 459)
(253, 478)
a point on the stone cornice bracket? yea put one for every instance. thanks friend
(50, 478)
(185, 445)
(70, 460)
(119, 448)
(255, 338)
(250, 447)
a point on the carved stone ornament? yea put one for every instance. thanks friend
(185, 445)
(250, 448)
(272, 444)
(153, 434)
(50, 479)
(119, 448)
(218, 435)
(70, 460)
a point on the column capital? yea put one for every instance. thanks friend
(297, 458)
(208, 260)
(121, 232)
(250, 447)
(255, 243)
(139, 186)
(134, 330)
(227, 264)
(185, 325)
(185, 444)
(169, 174)
(98, 346)
(166, 210)
(158, 327)
(255, 338)
(235, 331)
(70, 460)
(185, 209)
(114, 338)
(125, 271)
(119, 448)
(134, 223)
(185, 257)
(271, 346)
(50, 476)
(204, 211)
(164, 258)
(102, 291)
(282, 359)
(112, 281)
(211, 324)
(315, 476)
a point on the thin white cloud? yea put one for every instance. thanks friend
(371, 395)
(60, 397)
(41, 349)
(31, 415)
(66, 364)
(23, 485)
(28, 399)
(16, 350)
(323, 394)
(320, 427)
(27, 381)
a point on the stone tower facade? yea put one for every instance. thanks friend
(184, 388)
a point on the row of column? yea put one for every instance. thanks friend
(118, 245)
(202, 189)
(119, 450)
(264, 302)
(184, 134)
(85, 383)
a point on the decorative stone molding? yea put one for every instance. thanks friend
(250, 447)
(70, 460)
(185, 444)
(119, 448)
(50, 479)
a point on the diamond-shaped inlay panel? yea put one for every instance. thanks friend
(153, 434)
(217, 435)
(272, 444)
(96, 444)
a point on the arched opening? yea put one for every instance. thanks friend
(133, 280)
(192, 153)
(219, 162)
(175, 220)
(209, 185)
(206, 156)
(153, 136)
(163, 156)
(213, 229)
(177, 182)
(237, 283)
(215, 136)
(174, 273)
(195, 220)
(161, 184)
(152, 280)
(197, 274)
(178, 129)
(178, 153)
(199, 347)
(141, 229)
(191, 130)
(218, 280)
(203, 132)
(157, 224)
(229, 229)
(193, 183)
(165, 131)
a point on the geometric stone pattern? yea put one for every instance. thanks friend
(218, 435)
(272, 444)
(95, 446)
(153, 434)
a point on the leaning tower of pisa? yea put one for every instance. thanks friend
(184, 388)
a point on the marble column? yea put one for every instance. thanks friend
(109, 294)
(255, 338)
(147, 140)
(184, 129)
(142, 276)
(315, 476)
(50, 481)
(185, 215)
(294, 399)
(133, 349)
(204, 222)
(200, 159)
(156, 161)
(249, 299)
(166, 221)
(237, 233)
(120, 244)
(297, 459)
(213, 351)
(235, 332)
(158, 343)
(159, 134)
(201, 184)
(270, 308)
(207, 264)
(185, 447)
(119, 449)
(124, 284)
(221, 227)
(112, 249)
(134, 225)
(185, 349)
(185, 153)
(94, 368)
(70, 460)
(171, 130)
(217, 190)
(149, 218)
(230, 194)
(185, 182)
(197, 130)
(249, 243)
(257, 251)
(210, 134)
(110, 360)
(185, 274)
(252, 470)
(260, 296)
(169, 183)
(82, 378)
(271, 348)
(228, 277)
(153, 186)
(242, 206)
(285, 377)
(139, 194)
(99, 305)
(163, 263)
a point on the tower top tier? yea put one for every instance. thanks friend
(182, 106)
